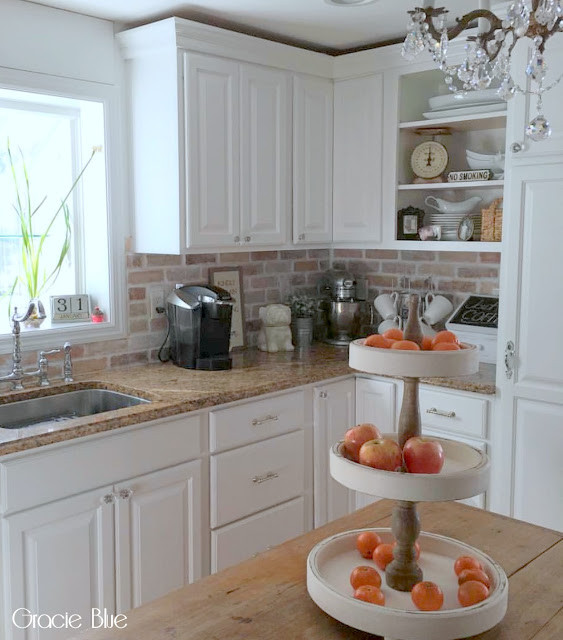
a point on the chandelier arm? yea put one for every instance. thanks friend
(463, 22)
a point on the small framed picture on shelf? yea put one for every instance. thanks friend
(409, 221)
(230, 278)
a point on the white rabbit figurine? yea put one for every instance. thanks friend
(275, 334)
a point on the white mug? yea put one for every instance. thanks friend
(390, 323)
(437, 310)
(426, 330)
(386, 305)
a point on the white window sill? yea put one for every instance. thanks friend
(53, 336)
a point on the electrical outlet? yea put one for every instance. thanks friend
(156, 297)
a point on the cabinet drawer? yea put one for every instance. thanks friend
(257, 420)
(237, 542)
(50, 473)
(255, 477)
(453, 412)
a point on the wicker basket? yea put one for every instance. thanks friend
(491, 222)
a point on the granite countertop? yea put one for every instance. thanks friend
(173, 390)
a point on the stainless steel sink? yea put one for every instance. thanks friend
(63, 406)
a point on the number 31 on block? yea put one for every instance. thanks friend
(74, 308)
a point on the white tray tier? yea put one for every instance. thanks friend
(331, 561)
(414, 364)
(466, 473)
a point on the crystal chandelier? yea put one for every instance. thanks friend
(487, 56)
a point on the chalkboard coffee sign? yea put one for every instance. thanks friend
(476, 311)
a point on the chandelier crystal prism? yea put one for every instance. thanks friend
(487, 54)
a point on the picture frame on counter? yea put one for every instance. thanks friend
(230, 279)
(409, 221)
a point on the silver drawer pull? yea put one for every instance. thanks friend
(439, 412)
(267, 476)
(258, 421)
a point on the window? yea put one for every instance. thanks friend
(53, 138)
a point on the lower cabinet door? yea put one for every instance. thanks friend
(58, 558)
(243, 539)
(158, 533)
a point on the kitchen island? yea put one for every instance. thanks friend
(265, 598)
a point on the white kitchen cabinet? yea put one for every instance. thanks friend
(375, 403)
(158, 533)
(260, 475)
(312, 159)
(93, 526)
(59, 557)
(238, 152)
(212, 151)
(530, 373)
(246, 538)
(266, 112)
(334, 413)
(211, 142)
(358, 158)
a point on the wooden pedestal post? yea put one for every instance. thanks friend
(403, 572)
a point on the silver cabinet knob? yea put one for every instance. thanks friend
(125, 494)
(109, 498)
(237, 238)
(323, 394)
(516, 147)
(301, 236)
(247, 238)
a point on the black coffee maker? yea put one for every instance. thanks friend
(199, 318)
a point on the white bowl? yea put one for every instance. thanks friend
(494, 162)
(461, 99)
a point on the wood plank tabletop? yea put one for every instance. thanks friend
(266, 598)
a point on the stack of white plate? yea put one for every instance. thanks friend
(460, 104)
(450, 223)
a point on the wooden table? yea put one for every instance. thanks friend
(266, 598)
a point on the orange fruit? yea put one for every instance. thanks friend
(406, 345)
(474, 574)
(383, 555)
(393, 334)
(466, 562)
(365, 575)
(369, 593)
(446, 346)
(427, 596)
(444, 336)
(426, 343)
(471, 592)
(375, 340)
(366, 542)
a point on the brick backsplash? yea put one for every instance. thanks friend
(269, 277)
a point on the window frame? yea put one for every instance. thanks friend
(118, 228)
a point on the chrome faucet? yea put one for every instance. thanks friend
(17, 375)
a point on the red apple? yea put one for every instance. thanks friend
(381, 453)
(423, 455)
(355, 437)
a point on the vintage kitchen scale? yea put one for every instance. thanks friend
(465, 474)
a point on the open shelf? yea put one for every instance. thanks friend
(481, 121)
(447, 245)
(474, 184)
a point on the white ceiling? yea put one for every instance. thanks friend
(311, 23)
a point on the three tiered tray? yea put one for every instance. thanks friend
(465, 474)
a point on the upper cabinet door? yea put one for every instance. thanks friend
(523, 108)
(312, 159)
(212, 150)
(358, 153)
(265, 155)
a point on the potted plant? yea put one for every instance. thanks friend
(38, 270)
(303, 308)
